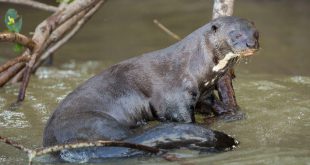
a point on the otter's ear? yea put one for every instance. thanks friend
(215, 27)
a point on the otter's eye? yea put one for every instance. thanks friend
(214, 28)
(238, 36)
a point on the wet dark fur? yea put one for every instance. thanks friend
(164, 85)
(165, 136)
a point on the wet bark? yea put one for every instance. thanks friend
(224, 85)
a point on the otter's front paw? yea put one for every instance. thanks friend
(227, 113)
(219, 108)
(232, 116)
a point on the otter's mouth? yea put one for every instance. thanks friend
(247, 53)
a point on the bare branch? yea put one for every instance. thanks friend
(62, 29)
(165, 29)
(58, 34)
(49, 35)
(76, 28)
(9, 73)
(72, 9)
(100, 143)
(17, 38)
(33, 4)
(14, 144)
(14, 61)
(18, 77)
(43, 31)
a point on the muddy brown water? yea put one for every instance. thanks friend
(273, 87)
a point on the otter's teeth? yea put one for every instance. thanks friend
(223, 62)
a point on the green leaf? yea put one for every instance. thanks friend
(18, 48)
(18, 24)
(11, 13)
(13, 21)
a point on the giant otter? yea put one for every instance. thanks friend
(163, 85)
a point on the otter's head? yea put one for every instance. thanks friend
(233, 35)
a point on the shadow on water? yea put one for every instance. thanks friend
(272, 89)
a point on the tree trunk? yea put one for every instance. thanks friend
(224, 85)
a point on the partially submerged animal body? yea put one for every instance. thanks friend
(165, 136)
(164, 85)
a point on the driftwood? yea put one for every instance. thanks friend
(49, 35)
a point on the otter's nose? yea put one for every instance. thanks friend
(253, 44)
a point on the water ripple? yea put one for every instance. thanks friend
(10, 119)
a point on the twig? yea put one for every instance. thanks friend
(100, 143)
(32, 3)
(17, 38)
(14, 144)
(14, 61)
(62, 29)
(9, 73)
(165, 29)
(18, 77)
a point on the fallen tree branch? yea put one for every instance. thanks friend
(100, 143)
(61, 42)
(43, 32)
(49, 35)
(17, 38)
(10, 73)
(14, 61)
(14, 144)
(62, 29)
(18, 76)
(33, 4)
(165, 29)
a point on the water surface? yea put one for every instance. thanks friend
(273, 88)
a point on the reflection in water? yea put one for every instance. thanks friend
(273, 89)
